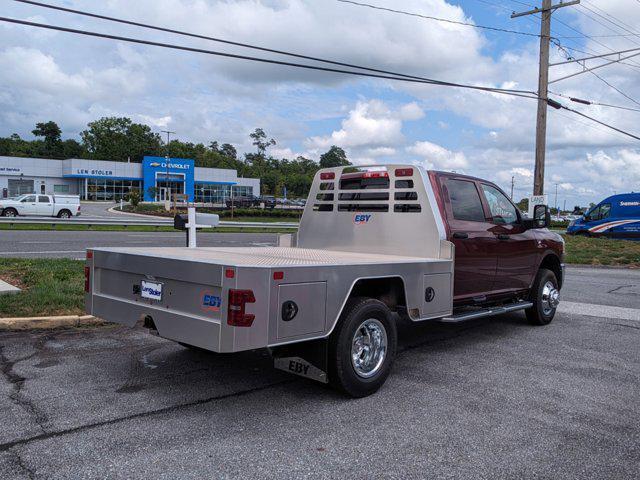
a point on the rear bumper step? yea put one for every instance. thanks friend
(486, 312)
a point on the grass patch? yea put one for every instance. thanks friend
(50, 287)
(602, 251)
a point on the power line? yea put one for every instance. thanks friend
(601, 123)
(556, 42)
(620, 24)
(237, 44)
(429, 17)
(608, 84)
(517, 93)
(403, 78)
(615, 88)
(593, 102)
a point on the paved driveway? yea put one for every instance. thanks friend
(492, 398)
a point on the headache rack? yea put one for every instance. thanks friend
(394, 206)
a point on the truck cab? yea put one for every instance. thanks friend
(497, 253)
(617, 216)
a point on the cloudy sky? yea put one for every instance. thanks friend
(72, 80)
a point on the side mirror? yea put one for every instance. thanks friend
(541, 216)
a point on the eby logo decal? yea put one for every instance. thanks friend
(361, 218)
(211, 303)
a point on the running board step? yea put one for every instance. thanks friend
(487, 312)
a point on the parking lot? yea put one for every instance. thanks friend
(492, 398)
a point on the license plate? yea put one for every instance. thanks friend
(151, 290)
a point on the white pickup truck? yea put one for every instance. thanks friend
(374, 244)
(61, 206)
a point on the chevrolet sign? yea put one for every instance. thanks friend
(178, 166)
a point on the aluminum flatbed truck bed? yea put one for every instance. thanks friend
(194, 283)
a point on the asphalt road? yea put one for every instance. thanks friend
(492, 398)
(72, 244)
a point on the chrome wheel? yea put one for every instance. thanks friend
(550, 298)
(369, 348)
(65, 215)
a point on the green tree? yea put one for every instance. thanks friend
(118, 138)
(335, 157)
(52, 134)
(523, 205)
(260, 141)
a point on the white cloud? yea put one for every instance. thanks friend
(438, 157)
(370, 124)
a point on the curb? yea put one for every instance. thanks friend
(113, 210)
(33, 323)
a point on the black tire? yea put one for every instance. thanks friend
(64, 214)
(342, 373)
(9, 212)
(543, 310)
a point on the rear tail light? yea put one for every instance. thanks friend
(375, 175)
(404, 172)
(89, 254)
(236, 316)
(327, 176)
(87, 279)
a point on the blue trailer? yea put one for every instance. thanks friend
(617, 216)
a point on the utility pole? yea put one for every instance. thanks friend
(512, 179)
(543, 83)
(556, 202)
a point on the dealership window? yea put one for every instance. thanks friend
(109, 189)
(61, 189)
(215, 193)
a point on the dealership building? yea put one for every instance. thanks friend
(155, 178)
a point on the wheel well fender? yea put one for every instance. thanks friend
(389, 290)
(552, 262)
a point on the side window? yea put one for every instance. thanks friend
(596, 213)
(465, 201)
(502, 210)
(43, 199)
(605, 210)
(29, 199)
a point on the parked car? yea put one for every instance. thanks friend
(242, 201)
(61, 206)
(269, 201)
(247, 201)
(617, 216)
(427, 246)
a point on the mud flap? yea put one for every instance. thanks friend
(307, 359)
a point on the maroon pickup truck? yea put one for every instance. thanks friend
(498, 255)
